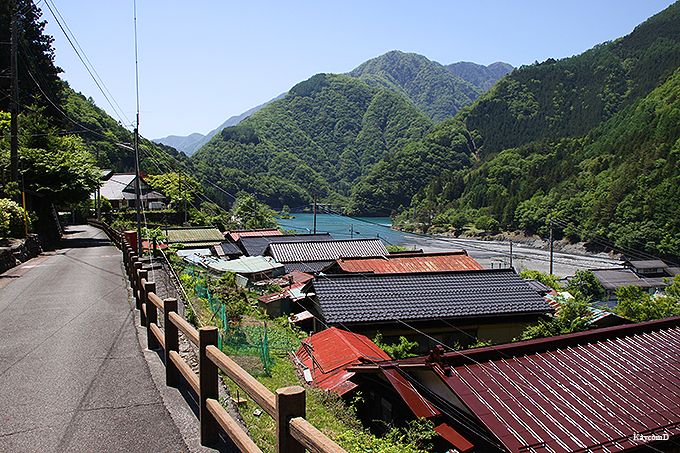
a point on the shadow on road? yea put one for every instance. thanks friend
(80, 243)
(224, 445)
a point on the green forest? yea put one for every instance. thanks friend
(590, 141)
(64, 138)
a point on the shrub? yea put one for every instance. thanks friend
(11, 218)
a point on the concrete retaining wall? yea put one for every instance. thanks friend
(18, 253)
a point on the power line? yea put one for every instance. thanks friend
(58, 15)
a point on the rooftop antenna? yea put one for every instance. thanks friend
(138, 183)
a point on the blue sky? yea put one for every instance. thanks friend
(201, 62)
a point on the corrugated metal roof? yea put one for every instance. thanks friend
(612, 279)
(255, 246)
(246, 265)
(327, 355)
(421, 262)
(291, 252)
(593, 395)
(113, 187)
(237, 234)
(460, 294)
(207, 235)
(648, 264)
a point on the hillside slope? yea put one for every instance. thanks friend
(191, 143)
(591, 140)
(483, 77)
(326, 132)
(429, 85)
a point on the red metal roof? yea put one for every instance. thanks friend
(417, 262)
(595, 394)
(236, 234)
(327, 355)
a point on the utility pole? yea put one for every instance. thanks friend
(138, 190)
(14, 109)
(351, 231)
(551, 246)
(314, 214)
(98, 195)
(511, 266)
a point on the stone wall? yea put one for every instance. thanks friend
(19, 252)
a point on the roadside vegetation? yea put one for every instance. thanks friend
(576, 312)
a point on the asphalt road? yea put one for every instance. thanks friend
(73, 376)
(497, 254)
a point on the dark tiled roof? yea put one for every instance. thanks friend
(254, 246)
(291, 252)
(313, 267)
(538, 286)
(612, 279)
(386, 297)
(230, 249)
(648, 264)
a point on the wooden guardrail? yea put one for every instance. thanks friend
(287, 406)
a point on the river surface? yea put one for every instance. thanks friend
(490, 254)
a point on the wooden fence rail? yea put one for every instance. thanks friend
(286, 406)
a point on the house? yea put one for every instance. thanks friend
(650, 275)
(235, 235)
(285, 301)
(396, 263)
(248, 269)
(323, 358)
(608, 389)
(312, 256)
(194, 237)
(453, 307)
(227, 250)
(600, 316)
(256, 245)
(119, 189)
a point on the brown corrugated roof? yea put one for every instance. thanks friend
(328, 354)
(422, 262)
(236, 234)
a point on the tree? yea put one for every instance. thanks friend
(548, 280)
(400, 350)
(65, 172)
(574, 315)
(39, 56)
(638, 305)
(248, 213)
(11, 219)
(585, 284)
(179, 191)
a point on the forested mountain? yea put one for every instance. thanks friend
(189, 144)
(591, 140)
(331, 130)
(483, 77)
(321, 136)
(427, 84)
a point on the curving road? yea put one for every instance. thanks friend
(73, 376)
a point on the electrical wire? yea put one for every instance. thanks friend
(63, 28)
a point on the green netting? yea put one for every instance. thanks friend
(241, 340)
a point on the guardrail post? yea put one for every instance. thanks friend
(140, 296)
(171, 342)
(131, 272)
(207, 385)
(290, 403)
(151, 316)
(139, 274)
